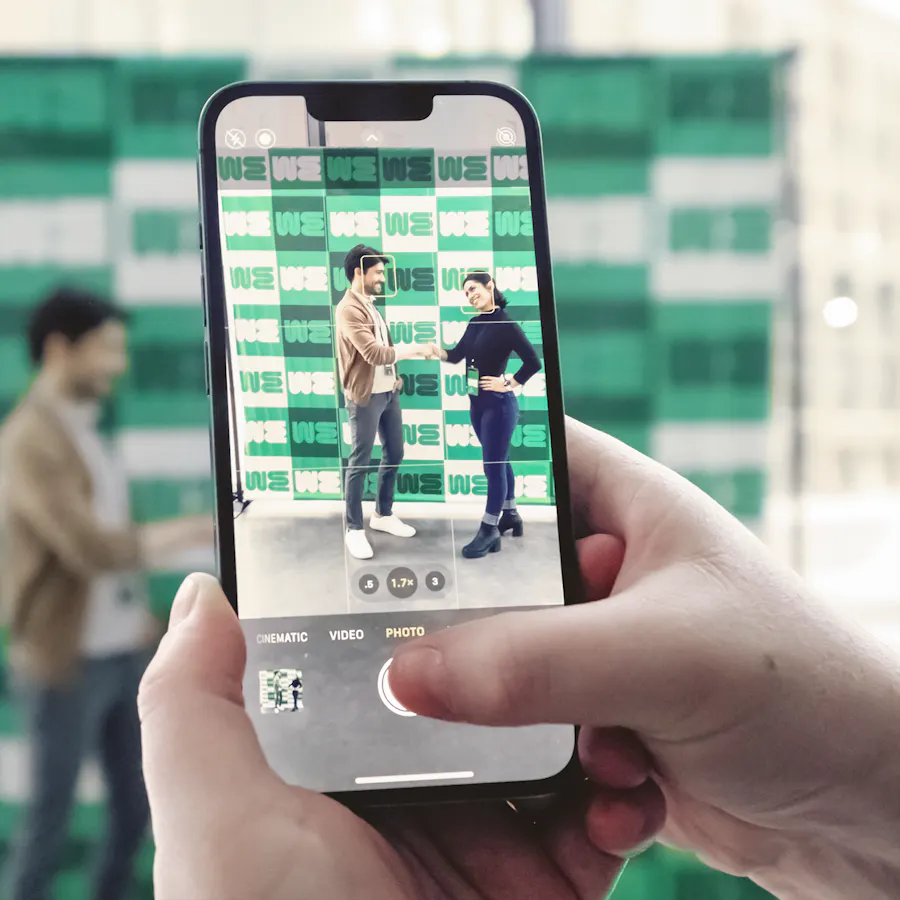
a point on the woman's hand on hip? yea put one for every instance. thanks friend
(494, 383)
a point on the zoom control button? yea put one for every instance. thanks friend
(402, 582)
(435, 581)
(368, 584)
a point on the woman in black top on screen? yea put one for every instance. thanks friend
(486, 346)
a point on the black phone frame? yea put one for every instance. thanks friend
(382, 101)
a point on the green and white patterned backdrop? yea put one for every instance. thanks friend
(665, 184)
(437, 216)
(98, 187)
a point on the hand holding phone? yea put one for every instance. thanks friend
(302, 845)
(702, 700)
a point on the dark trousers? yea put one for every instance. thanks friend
(494, 417)
(95, 712)
(381, 416)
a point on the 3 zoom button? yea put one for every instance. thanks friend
(435, 581)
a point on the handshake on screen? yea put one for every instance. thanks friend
(425, 351)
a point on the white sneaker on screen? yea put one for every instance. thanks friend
(358, 544)
(392, 525)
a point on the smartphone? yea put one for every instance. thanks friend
(348, 230)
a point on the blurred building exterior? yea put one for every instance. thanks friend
(848, 139)
(846, 155)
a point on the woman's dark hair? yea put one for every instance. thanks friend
(362, 257)
(484, 278)
(71, 312)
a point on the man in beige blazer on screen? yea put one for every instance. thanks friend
(367, 365)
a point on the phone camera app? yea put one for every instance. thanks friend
(387, 411)
(388, 379)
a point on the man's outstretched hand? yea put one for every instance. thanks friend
(227, 827)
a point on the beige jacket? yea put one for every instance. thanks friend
(358, 350)
(51, 544)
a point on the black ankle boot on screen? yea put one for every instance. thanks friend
(511, 521)
(486, 541)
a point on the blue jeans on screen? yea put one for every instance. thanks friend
(94, 713)
(494, 417)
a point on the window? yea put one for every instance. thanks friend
(838, 133)
(887, 307)
(843, 286)
(844, 213)
(884, 224)
(745, 24)
(892, 465)
(883, 149)
(889, 386)
(838, 65)
(848, 380)
(848, 468)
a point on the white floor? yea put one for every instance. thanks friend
(292, 561)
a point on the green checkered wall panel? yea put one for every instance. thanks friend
(431, 214)
(664, 183)
(97, 188)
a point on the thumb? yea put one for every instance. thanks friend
(586, 665)
(198, 742)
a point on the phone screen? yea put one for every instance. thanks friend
(372, 478)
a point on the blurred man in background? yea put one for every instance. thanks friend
(80, 628)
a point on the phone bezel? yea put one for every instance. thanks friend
(382, 100)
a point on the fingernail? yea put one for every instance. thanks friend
(184, 602)
(641, 848)
(423, 668)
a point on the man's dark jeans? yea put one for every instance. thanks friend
(96, 712)
(381, 416)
